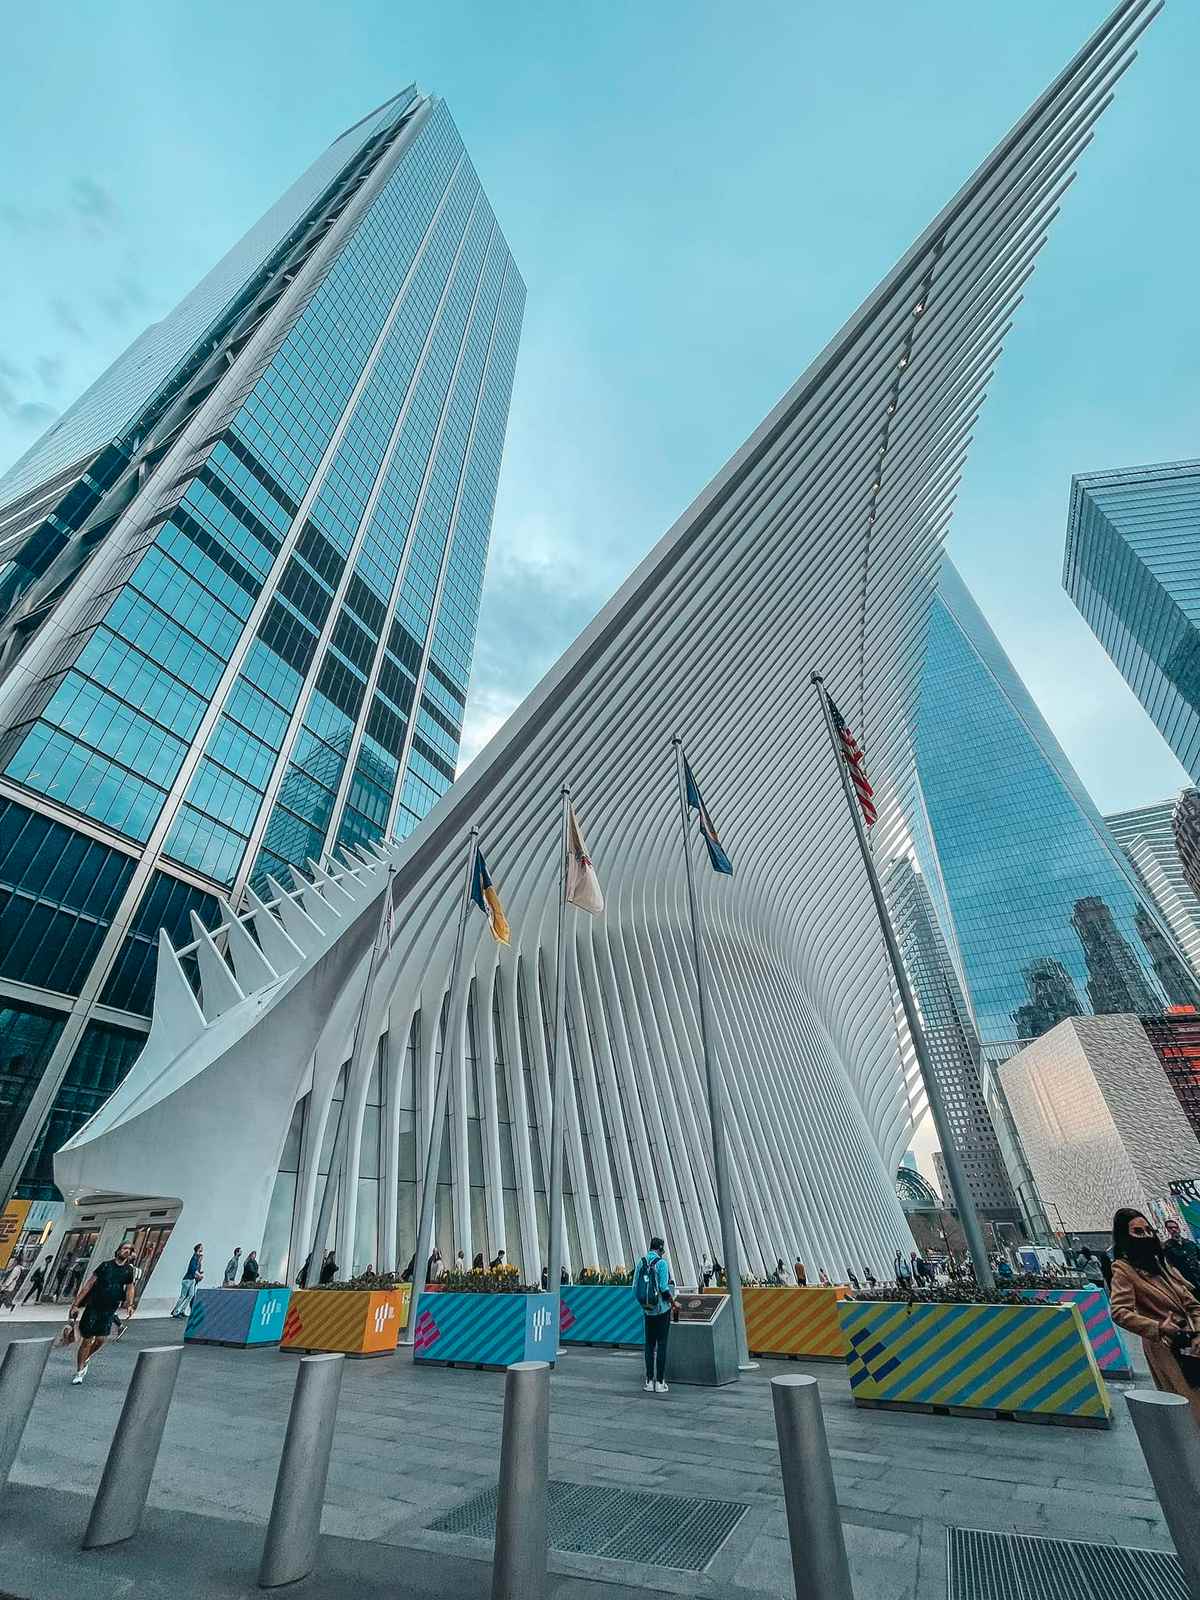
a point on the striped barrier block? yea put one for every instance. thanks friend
(1032, 1362)
(600, 1314)
(1107, 1344)
(351, 1322)
(484, 1330)
(244, 1318)
(794, 1322)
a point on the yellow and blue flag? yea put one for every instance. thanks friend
(483, 893)
(716, 850)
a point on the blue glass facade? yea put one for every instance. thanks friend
(1132, 566)
(275, 660)
(1048, 917)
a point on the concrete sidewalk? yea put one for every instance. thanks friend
(413, 1443)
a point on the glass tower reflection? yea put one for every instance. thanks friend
(1047, 913)
(239, 585)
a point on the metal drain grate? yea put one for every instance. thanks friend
(1012, 1566)
(623, 1524)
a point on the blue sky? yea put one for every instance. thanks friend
(697, 195)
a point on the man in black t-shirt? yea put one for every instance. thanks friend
(108, 1290)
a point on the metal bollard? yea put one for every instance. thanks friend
(294, 1531)
(20, 1374)
(819, 1565)
(519, 1563)
(1170, 1442)
(125, 1482)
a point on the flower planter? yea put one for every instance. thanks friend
(484, 1330)
(351, 1322)
(1029, 1363)
(601, 1314)
(247, 1319)
(1107, 1344)
(794, 1322)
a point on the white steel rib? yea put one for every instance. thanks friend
(816, 546)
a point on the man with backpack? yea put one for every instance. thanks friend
(654, 1290)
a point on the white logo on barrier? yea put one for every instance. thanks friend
(541, 1322)
(266, 1311)
(383, 1315)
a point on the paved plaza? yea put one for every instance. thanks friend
(412, 1444)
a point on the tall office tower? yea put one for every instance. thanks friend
(1045, 907)
(955, 1055)
(239, 581)
(1185, 825)
(1147, 835)
(1133, 545)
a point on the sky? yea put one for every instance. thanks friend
(698, 195)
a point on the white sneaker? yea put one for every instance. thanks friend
(80, 1375)
(648, 1386)
(661, 1388)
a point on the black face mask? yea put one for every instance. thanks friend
(1146, 1254)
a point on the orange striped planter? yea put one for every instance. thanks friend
(351, 1322)
(794, 1322)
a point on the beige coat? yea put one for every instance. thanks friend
(1140, 1302)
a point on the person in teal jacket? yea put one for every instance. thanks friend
(655, 1291)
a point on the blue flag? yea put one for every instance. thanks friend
(716, 850)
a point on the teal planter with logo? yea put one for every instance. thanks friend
(484, 1330)
(246, 1319)
(601, 1314)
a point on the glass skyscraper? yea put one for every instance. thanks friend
(1049, 917)
(1132, 566)
(239, 582)
(1147, 835)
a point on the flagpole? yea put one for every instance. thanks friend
(933, 1093)
(561, 1069)
(338, 1152)
(715, 1087)
(441, 1094)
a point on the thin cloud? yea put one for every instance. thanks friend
(95, 206)
(24, 414)
(64, 315)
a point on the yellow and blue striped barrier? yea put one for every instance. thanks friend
(1027, 1361)
(1107, 1344)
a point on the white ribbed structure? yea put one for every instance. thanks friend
(815, 547)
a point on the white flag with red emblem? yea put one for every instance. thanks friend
(583, 887)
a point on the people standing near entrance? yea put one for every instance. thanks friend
(329, 1268)
(801, 1272)
(250, 1269)
(654, 1290)
(1182, 1254)
(107, 1291)
(1151, 1299)
(233, 1267)
(191, 1282)
(37, 1281)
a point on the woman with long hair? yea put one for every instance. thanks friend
(1151, 1299)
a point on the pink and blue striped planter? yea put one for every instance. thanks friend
(1103, 1334)
(598, 1313)
(484, 1330)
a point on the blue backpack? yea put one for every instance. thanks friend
(645, 1285)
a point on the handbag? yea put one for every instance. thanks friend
(1189, 1365)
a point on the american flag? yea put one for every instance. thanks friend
(854, 761)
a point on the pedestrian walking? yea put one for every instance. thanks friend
(191, 1282)
(1150, 1298)
(801, 1274)
(460, 1262)
(107, 1291)
(250, 1268)
(37, 1281)
(869, 1278)
(477, 1262)
(903, 1272)
(779, 1272)
(10, 1282)
(1182, 1254)
(654, 1290)
(232, 1267)
(329, 1268)
(823, 1279)
(302, 1275)
(497, 1260)
(435, 1267)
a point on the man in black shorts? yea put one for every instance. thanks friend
(108, 1290)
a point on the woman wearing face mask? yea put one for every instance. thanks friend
(1151, 1299)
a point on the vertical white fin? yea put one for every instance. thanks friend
(282, 951)
(251, 967)
(301, 928)
(177, 1014)
(219, 989)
